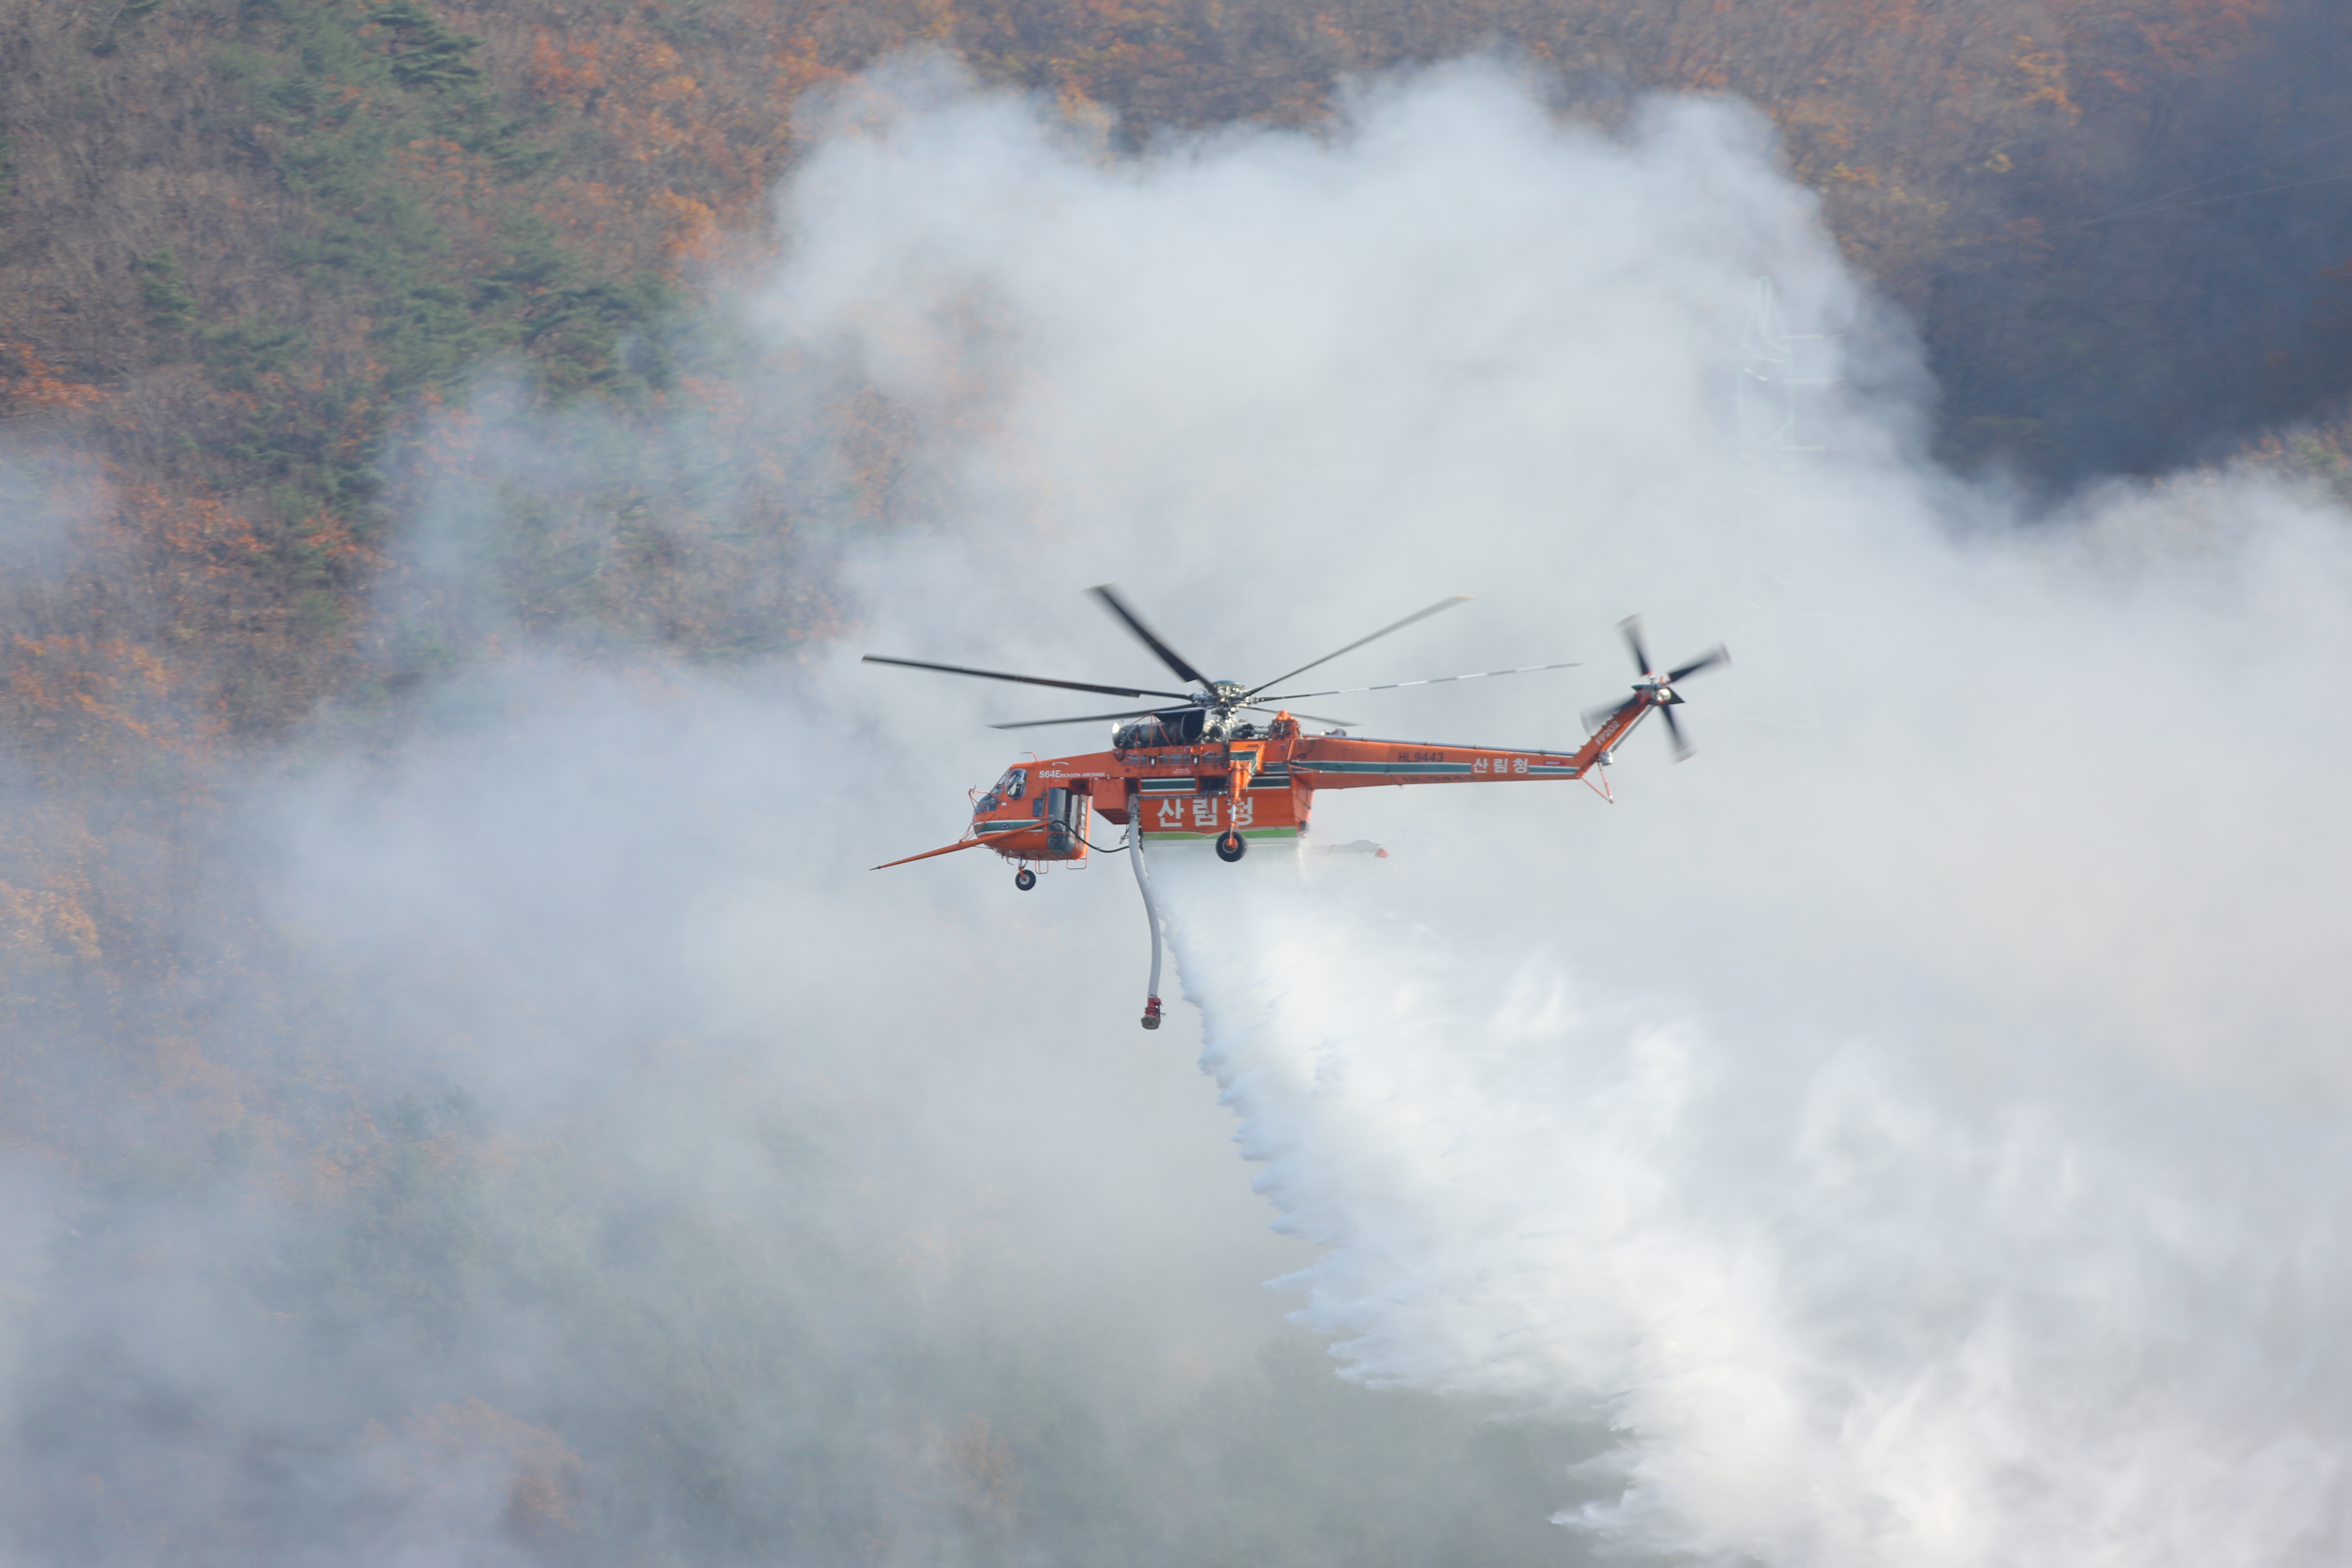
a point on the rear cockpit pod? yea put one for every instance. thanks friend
(1054, 829)
(1066, 813)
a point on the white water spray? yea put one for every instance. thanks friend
(1840, 1316)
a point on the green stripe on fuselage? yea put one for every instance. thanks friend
(1207, 834)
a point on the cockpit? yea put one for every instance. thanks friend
(1012, 786)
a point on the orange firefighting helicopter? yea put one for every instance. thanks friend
(1201, 770)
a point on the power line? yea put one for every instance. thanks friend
(2045, 311)
(2148, 206)
(2209, 200)
(2210, 179)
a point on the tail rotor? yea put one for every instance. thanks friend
(1655, 689)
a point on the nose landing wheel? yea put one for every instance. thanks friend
(1232, 846)
(1024, 878)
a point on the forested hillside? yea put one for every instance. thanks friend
(246, 240)
(269, 270)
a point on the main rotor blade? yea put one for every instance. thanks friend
(1716, 654)
(1433, 680)
(1682, 747)
(1025, 679)
(1632, 626)
(1446, 603)
(1139, 712)
(1168, 656)
(1081, 718)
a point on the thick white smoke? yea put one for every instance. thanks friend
(1915, 1122)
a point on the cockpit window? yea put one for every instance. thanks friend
(1013, 784)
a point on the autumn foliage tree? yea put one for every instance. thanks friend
(294, 222)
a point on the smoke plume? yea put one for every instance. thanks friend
(1912, 1124)
(1908, 1132)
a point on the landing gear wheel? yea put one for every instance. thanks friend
(1232, 846)
(1024, 878)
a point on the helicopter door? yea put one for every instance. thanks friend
(1066, 824)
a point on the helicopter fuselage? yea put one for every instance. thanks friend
(1202, 768)
(1259, 786)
